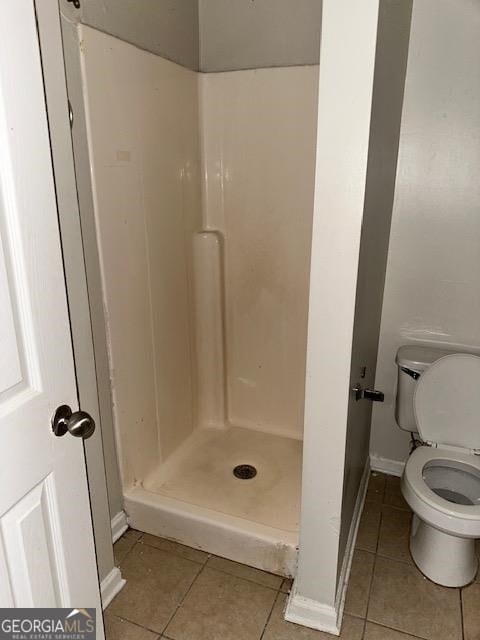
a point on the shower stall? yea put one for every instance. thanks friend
(203, 190)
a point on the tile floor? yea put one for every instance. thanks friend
(180, 593)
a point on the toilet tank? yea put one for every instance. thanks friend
(412, 360)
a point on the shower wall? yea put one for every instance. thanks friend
(204, 197)
(143, 138)
(259, 131)
(241, 34)
(168, 28)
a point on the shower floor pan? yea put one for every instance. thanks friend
(195, 498)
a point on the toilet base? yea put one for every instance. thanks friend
(443, 558)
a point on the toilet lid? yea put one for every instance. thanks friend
(447, 402)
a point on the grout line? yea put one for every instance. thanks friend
(384, 626)
(178, 555)
(461, 613)
(407, 562)
(129, 551)
(135, 624)
(161, 633)
(377, 542)
(373, 570)
(202, 567)
(270, 614)
(142, 626)
(355, 615)
(364, 629)
(396, 508)
(233, 575)
(388, 506)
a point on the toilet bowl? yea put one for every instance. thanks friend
(441, 481)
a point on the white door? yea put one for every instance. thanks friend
(47, 556)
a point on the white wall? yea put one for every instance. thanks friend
(432, 290)
(347, 58)
(241, 34)
(211, 35)
(259, 154)
(143, 137)
(168, 28)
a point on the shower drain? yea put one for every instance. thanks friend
(244, 471)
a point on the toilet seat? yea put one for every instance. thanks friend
(457, 519)
(447, 402)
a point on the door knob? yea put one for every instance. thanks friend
(79, 423)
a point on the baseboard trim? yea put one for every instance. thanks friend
(316, 615)
(119, 525)
(311, 613)
(385, 465)
(350, 546)
(112, 584)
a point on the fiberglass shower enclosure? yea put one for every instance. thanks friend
(203, 188)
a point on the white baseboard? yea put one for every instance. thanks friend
(384, 465)
(112, 584)
(350, 546)
(311, 613)
(317, 615)
(119, 525)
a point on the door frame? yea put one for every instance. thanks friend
(78, 293)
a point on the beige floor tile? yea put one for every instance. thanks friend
(393, 494)
(401, 598)
(133, 533)
(359, 583)
(471, 611)
(157, 581)
(243, 571)
(376, 632)
(394, 538)
(118, 629)
(376, 487)
(395, 500)
(220, 606)
(367, 536)
(286, 586)
(124, 544)
(174, 547)
(279, 629)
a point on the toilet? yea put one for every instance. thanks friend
(438, 396)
